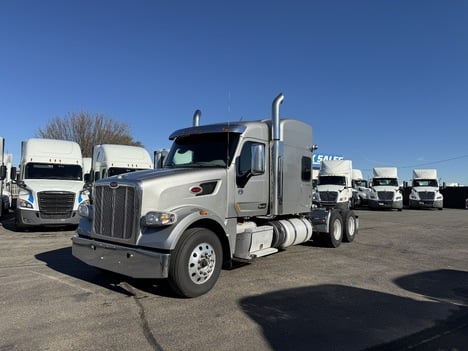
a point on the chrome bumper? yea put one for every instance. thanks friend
(132, 262)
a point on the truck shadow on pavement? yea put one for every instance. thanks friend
(336, 317)
(62, 260)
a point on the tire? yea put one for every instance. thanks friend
(195, 263)
(335, 229)
(350, 226)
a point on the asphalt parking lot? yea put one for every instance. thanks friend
(402, 284)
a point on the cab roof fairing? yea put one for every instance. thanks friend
(211, 128)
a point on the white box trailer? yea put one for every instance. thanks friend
(113, 159)
(51, 183)
(334, 187)
(385, 190)
(425, 190)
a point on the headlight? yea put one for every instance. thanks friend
(316, 196)
(85, 210)
(414, 195)
(83, 196)
(24, 204)
(157, 219)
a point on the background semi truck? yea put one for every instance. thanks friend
(385, 190)
(111, 159)
(425, 190)
(51, 183)
(361, 188)
(3, 173)
(10, 189)
(334, 184)
(227, 192)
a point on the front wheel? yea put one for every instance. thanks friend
(196, 263)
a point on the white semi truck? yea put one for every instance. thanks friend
(385, 190)
(10, 191)
(51, 183)
(425, 190)
(334, 187)
(228, 191)
(361, 188)
(111, 159)
(3, 174)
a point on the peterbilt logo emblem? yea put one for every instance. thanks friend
(113, 185)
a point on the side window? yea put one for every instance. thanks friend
(245, 159)
(306, 169)
(245, 162)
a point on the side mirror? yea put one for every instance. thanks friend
(3, 172)
(159, 158)
(87, 178)
(258, 159)
(13, 173)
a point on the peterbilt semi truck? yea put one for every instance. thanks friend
(51, 183)
(425, 190)
(227, 192)
(385, 191)
(334, 187)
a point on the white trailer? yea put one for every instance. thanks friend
(111, 159)
(361, 188)
(385, 190)
(51, 183)
(425, 190)
(334, 187)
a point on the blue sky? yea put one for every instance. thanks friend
(383, 83)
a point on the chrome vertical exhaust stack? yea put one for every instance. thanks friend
(196, 118)
(276, 195)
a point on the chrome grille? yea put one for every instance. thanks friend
(115, 211)
(56, 204)
(426, 195)
(385, 195)
(328, 196)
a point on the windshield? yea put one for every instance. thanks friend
(385, 182)
(425, 182)
(332, 180)
(53, 171)
(203, 150)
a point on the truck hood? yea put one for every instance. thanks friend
(330, 187)
(385, 188)
(425, 188)
(38, 185)
(167, 189)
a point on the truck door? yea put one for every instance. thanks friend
(252, 180)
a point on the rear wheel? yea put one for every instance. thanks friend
(195, 263)
(350, 226)
(335, 229)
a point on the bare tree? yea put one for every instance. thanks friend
(88, 130)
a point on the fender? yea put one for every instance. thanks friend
(166, 238)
